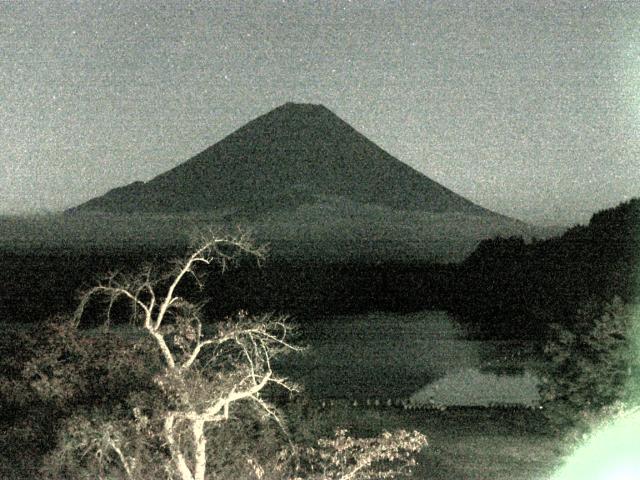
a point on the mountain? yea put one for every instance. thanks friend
(300, 174)
(283, 159)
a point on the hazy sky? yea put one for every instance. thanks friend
(531, 109)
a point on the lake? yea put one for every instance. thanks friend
(422, 355)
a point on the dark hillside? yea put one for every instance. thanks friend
(511, 288)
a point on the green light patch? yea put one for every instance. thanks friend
(610, 453)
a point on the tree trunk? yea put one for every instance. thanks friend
(176, 454)
(200, 442)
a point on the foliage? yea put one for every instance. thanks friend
(173, 401)
(389, 455)
(48, 372)
(590, 364)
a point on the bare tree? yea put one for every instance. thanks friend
(203, 376)
(190, 381)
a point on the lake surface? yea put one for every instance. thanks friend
(420, 356)
(424, 355)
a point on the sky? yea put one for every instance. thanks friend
(528, 108)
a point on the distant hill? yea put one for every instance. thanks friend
(300, 176)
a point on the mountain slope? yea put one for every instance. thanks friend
(283, 159)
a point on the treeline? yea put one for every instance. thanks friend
(36, 286)
(510, 288)
(311, 289)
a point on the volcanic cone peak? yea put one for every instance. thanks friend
(294, 152)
